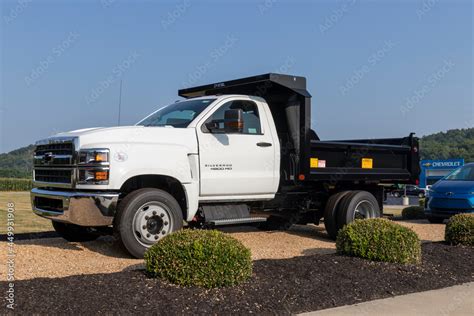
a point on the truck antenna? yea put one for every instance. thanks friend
(120, 103)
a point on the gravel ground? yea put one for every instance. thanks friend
(54, 257)
(278, 287)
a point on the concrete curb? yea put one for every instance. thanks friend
(456, 300)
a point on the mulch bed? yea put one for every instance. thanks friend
(278, 286)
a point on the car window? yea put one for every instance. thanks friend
(250, 116)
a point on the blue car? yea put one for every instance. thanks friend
(451, 195)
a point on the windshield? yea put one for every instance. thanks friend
(179, 114)
(465, 173)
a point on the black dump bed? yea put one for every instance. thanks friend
(304, 157)
(384, 160)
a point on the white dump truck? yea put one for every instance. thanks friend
(234, 152)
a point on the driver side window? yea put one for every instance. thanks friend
(251, 116)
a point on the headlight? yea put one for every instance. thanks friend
(93, 156)
(93, 166)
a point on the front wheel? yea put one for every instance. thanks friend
(74, 233)
(144, 217)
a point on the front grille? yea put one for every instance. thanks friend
(55, 149)
(54, 163)
(48, 204)
(54, 175)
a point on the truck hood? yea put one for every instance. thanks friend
(106, 137)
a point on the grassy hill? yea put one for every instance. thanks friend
(455, 143)
(17, 163)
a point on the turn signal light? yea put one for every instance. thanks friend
(101, 157)
(101, 175)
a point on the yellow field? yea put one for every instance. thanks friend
(25, 220)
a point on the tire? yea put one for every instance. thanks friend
(357, 205)
(435, 220)
(330, 213)
(75, 233)
(396, 194)
(144, 217)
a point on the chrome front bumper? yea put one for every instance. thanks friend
(80, 208)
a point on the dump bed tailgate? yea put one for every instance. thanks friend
(382, 160)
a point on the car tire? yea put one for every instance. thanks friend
(75, 233)
(435, 220)
(330, 213)
(144, 217)
(357, 205)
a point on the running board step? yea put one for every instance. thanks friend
(234, 221)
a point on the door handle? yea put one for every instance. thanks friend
(263, 144)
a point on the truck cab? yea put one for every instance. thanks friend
(234, 152)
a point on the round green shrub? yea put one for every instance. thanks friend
(205, 258)
(379, 239)
(413, 212)
(460, 230)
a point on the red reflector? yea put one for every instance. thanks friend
(301, 177)
(417, 181)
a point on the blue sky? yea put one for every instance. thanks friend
(374, 68)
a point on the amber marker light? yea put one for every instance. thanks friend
(101, 175)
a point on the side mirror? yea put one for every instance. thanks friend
(212, 126)
(234, 121)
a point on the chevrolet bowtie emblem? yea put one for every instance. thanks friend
(47, 158)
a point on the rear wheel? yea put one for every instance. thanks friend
(144, 217)
(357, 205)
(72, 232)
(330, 213)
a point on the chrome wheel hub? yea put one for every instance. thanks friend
(151, 223)
(364, 209)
